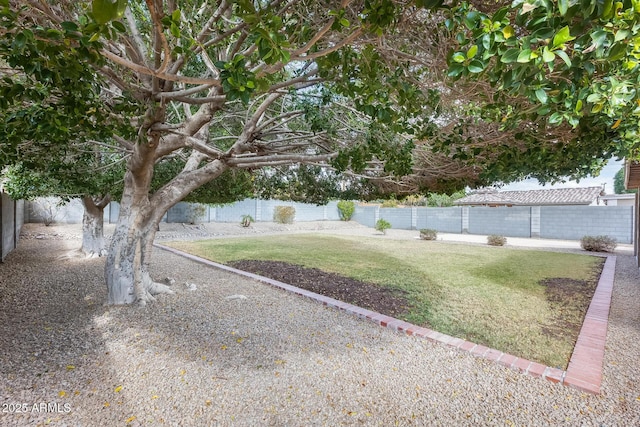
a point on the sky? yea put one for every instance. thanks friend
(605, 177)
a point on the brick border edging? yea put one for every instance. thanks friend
(584, 371)
(585, 367)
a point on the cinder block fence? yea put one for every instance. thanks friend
(549, 222)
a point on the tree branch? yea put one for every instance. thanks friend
(255, 161)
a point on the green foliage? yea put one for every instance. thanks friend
(284, 214)
(428, 234)
(195, 212)
(573, 64)
(618, 183)
(598, 243)
(390, 203)
(444, 200)
(231, 186)
(246, 220)
(414, 200)
(383, 225)
(300, 183)
(237, 81)
(108, 10)
(346, 209)
(496, 240)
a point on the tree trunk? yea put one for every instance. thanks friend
(93, 241)
(127, 266)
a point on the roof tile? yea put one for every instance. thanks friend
(555, 196)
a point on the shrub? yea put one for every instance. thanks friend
(598, 243)
(246, 220)
(47, 208)
(391, 203)
(284, 214)
(383, 225)
(195, 213)
(428, 234)
(495, 240)
(346, 208)
(414, 200)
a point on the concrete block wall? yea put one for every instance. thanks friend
(234, 212)
(366, 215)
(189, 213)
(45, 209)
(514, 221)
(446, 220)
(575, 222)
(11, 221)
(552, 222)
(304, 211)
(398, 218)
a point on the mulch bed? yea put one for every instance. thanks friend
(362, 294)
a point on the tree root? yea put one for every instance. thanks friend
(81, 254)
(150, 289)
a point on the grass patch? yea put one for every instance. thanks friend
(499, 297)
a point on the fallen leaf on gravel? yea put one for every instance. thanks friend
(349, 345)
(182, 372)
(70, 367)
(106, 404)
(130, 419)
(118, 389)
(280, 362)
(155, 396)
(224, 347)
(62, 393)
(207, 402)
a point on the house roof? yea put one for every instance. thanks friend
(556, 196)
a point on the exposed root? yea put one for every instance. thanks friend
(81, 254)
(159, 288)
(149, 288)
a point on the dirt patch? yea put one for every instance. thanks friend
(569, 299)
(362, 294)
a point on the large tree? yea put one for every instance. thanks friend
(231, 85)
(56, 124)
(355, 86)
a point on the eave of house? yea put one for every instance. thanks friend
(632, 174)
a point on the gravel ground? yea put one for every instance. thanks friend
(235, 352)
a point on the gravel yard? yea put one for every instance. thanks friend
(236, 352)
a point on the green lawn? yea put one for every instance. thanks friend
(488, 295)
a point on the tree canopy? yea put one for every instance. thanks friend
(411, 95)
(562, 78)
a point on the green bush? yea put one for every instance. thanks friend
(598, 243)
(195, 213)
(284, 214)
(495, 240)
(383, 225)
(347, 209)
(391, 203)
(428, 234)
(246, 220)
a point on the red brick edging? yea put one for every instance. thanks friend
(585, 367)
